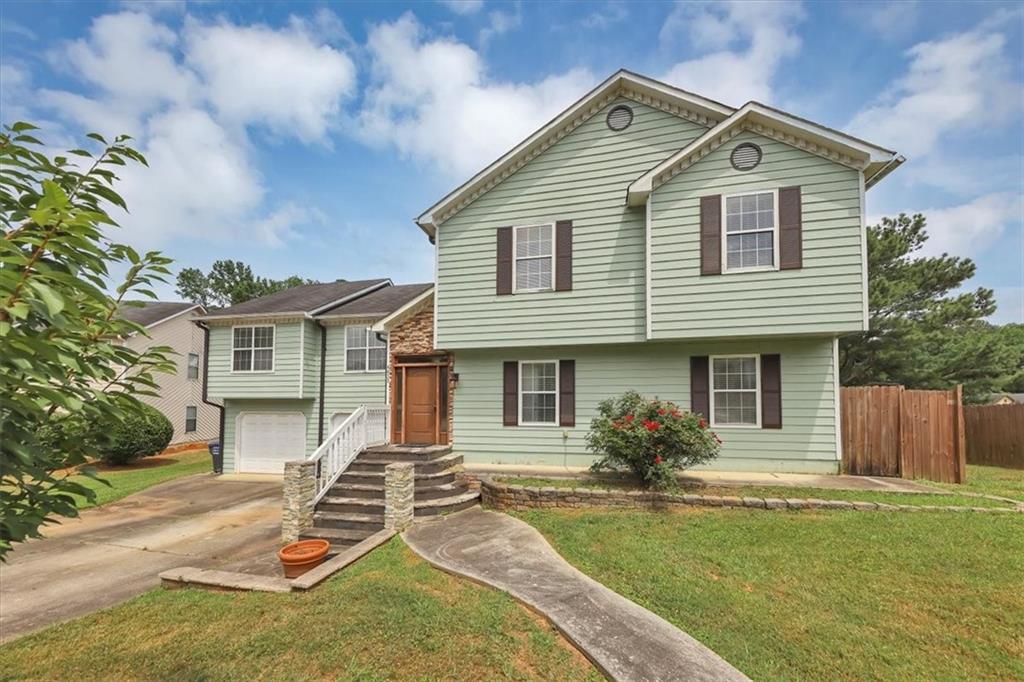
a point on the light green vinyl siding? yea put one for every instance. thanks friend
(825, 296)
(282, 382)
(582, 178)
(311, 360)
(232, 408)
(806, 441)
(346, 391)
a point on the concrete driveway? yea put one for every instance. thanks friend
(115, 552)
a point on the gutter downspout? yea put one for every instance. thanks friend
(323, 377)
(206, 380)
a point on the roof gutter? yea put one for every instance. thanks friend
(895, 162)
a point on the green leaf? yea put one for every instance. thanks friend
(54, 302)
(22, 126)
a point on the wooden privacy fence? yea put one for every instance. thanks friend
(890, 431)
(995, 435)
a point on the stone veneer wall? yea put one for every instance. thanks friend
(415, 336)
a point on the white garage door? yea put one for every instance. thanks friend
(266, 440)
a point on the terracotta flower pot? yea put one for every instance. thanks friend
(299, 557)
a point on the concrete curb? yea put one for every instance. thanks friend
(504, 496)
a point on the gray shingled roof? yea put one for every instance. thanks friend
(381, 302)
(151, 312)
(304, 298)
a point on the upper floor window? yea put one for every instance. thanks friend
(538, 392)
(751, 221)
(364, 352)
(252, 349)
(193, 366)
(735, 381)
(534, 258)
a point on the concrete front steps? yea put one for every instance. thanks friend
(353, 508)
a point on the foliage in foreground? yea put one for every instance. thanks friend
(59, 355)
(653, 439)
(230, 282)
(925, 330)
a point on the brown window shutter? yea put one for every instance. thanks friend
(504, 283)
(700, 396)
(510, 402)
(711, 235)
(563, 255)
(791, 251)
(567, 393)
(771, 392)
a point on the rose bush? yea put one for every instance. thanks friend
(653, 439)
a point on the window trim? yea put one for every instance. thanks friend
(775, 232)
(188, 361)
(756, 390)
(519, 392)
(252, 349)
(195, 420)
(366, 349)
(515, 258)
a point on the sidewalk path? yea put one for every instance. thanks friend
(623, 639)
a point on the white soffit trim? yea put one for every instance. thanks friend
(622, 83)
(816, 139)
(386, 323)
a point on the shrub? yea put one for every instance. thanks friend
(651, 438)
(141, 434)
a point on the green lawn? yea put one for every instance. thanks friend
(388, 617)
(990, 481)
(818, 595)
(776, 491)
(125, 480)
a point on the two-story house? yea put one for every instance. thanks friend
(652, 239)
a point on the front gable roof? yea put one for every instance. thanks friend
(874, 161)
(304, 300)
(623, 83)
(152, 313)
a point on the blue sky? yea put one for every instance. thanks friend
(303, 138)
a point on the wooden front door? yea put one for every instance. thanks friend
(420, 418)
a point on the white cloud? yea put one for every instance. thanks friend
(499, 23)
(887, 20)
(1009, 305)
(463, 6)
(434, 101)
(960, 82)
(283, 78)
(969, 229)
(612, 13)
(750, 41)
(190, 100)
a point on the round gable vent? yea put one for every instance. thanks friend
(620, 117)
(746, 156)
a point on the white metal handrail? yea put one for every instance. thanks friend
(365, 427)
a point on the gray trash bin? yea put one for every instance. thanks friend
(217, 454)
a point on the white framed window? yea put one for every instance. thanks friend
(750, 238)
(364, 352)
(191, 415)
(538, 392)
(735, 390)
(252, 348)
(193, 366)
(534, 249)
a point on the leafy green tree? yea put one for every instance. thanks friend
(229, 282)
(59, 355)
(925, 332)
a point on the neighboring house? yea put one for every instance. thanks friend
(649, 238)
(289, 367)
(171, 324)
(1007, 399)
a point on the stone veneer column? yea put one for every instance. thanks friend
(299, 490)
(398, 495)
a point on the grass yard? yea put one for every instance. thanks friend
(388, 617)
(779, 491)
(990, 481)
(818, 595)
(147, 472)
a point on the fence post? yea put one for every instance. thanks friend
(959, 435)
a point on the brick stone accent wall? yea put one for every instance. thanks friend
(399, 479)
(299, 490)
(415, 336)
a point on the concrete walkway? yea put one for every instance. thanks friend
(624, 640)
(115, 552)
(727, 478)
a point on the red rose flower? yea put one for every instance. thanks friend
(658, 460)
(629, 418)
(651, 426)
(703, 424)
(662, 412)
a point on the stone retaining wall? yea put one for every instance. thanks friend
(504, 496)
